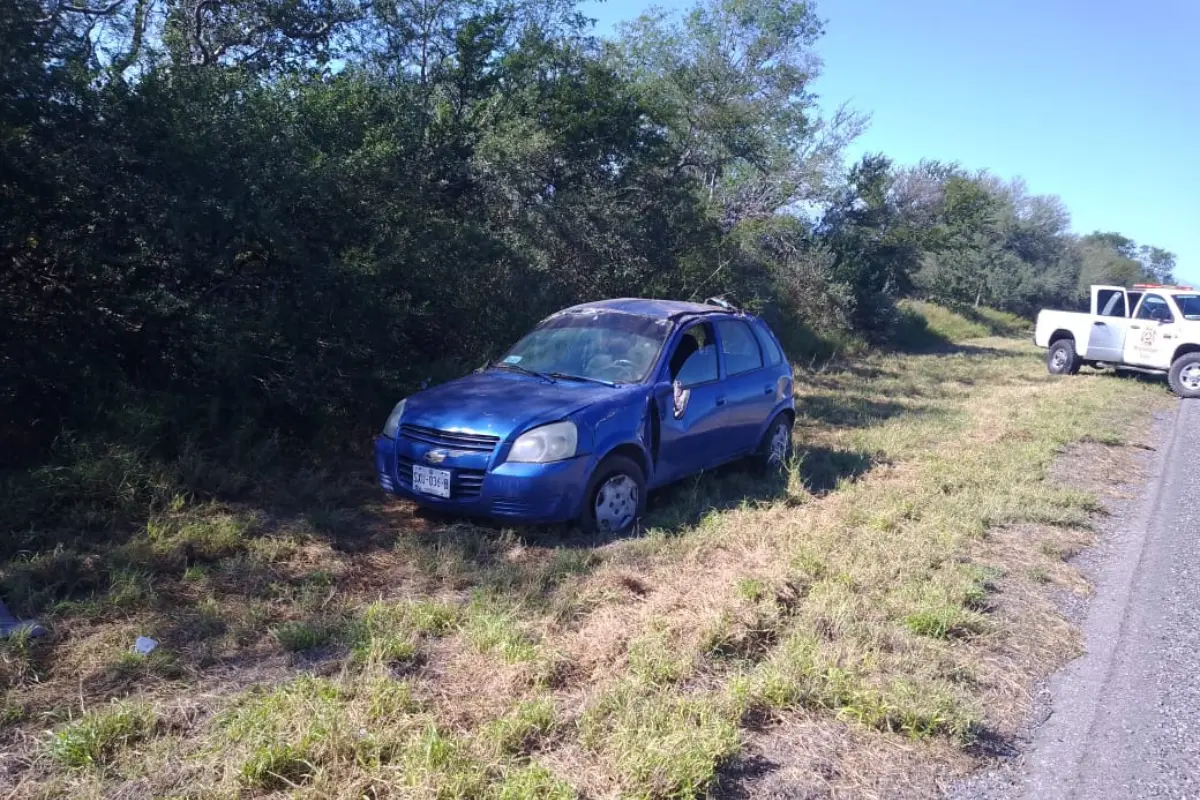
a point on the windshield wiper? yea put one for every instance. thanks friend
(582, 379)
(524, 370)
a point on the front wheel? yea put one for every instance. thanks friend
(1184, 376)
(616, 497)
(1062, 360)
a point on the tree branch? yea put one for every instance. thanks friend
(206, 57)
(91, 12)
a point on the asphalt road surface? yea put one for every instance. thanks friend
(1125, 718)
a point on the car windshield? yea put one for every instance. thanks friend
(1189, 305)
(592, 344)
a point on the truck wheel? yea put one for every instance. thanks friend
(615, 499)
(1184, 376)
(1062, 360)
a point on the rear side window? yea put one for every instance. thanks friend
(741, 349)
(1111, 303)
(766, 341)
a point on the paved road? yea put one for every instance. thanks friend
(1125, 720)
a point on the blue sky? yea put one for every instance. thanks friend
(1092, 100)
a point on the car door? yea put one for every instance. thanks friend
(1152, 333)
(1106, 340)
(750, 388)
(692, 406)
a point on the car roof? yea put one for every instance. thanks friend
(658, 309)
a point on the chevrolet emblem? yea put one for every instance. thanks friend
(436, 456)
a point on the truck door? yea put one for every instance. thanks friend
(1106, 340)
(1152, 334)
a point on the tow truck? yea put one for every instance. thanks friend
(1151, 327)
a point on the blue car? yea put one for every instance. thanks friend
(597, 405)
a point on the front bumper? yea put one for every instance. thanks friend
(527, 493)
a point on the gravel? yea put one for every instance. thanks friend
(1123, 721)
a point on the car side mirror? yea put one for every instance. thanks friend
(680, 396)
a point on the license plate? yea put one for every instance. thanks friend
(431, 481)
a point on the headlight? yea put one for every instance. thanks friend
(548, 443)
(393, 421)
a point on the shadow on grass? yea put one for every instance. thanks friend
(681, 505)
(1149, 378)
(747, 776)
(823, 469)
(382, 547)
(847, 411)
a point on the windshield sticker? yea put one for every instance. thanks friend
(513, 360)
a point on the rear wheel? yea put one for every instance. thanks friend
(776, 447)
(1184, 376)
(1062, 359)
(616, 497)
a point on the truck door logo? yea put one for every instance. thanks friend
(1148, 337)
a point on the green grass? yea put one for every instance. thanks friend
(99, 737)
(522, 728)
(443, 765)
(654, 658)
(662, 744)
(925, 324)
(494, 630)
(391, 633)
(533, 782)
(859, 589)
(299, 636)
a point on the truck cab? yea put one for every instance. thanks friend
(1148, 328)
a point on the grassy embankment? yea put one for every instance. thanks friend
(868, 623)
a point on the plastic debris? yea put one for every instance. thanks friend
(144, 645)
(11, 626)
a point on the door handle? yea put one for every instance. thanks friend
(1135, 327)
(720, 401)
(768, 389)
(1100, 324)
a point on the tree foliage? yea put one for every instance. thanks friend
(286, 213)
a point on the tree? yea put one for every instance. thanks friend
(730, 85)
(1158, 263)
(876, 250)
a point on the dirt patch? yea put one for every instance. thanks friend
(813, 759)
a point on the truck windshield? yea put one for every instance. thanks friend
(593, 345)
(1189, 305)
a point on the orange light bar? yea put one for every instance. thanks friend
(1162, 286)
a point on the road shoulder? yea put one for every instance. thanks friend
(1053, 742)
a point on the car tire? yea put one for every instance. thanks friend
(775, 450)
(1184, 376)
(1062, 359)
(615, 499)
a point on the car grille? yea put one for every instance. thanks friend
(452, 439)
(464, 483)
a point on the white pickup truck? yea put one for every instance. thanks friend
(1149, 328)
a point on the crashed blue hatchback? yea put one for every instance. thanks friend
(597, 405)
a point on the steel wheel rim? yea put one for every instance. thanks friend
(1190, 377)
(616, 503)
(779, 446)
(1059, 359)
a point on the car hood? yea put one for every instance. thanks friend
(498, 403)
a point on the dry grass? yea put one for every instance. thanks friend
(859, 626)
